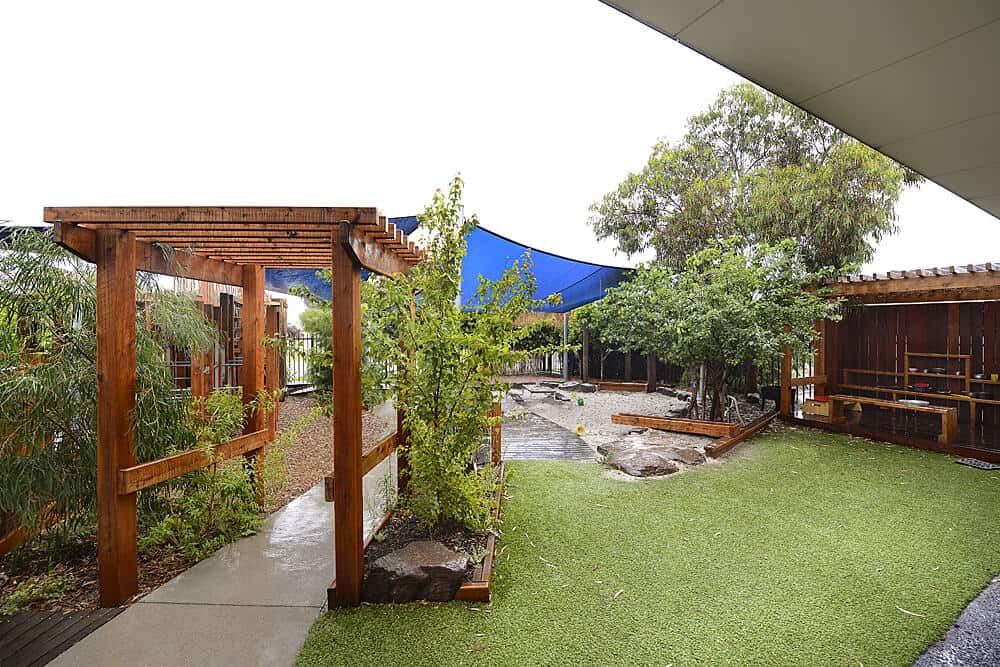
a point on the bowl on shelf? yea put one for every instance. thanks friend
(979, 376)
(913, 370)
(913, 401)
(981, 394)
(939, 371)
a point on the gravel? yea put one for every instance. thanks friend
(595, 414)
(311, 456)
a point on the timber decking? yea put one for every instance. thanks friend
(37, 637)
(532, 437)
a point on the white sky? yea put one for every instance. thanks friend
(542, 107)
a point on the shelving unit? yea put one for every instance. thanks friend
(965, 377)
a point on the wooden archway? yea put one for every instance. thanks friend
(232, 246)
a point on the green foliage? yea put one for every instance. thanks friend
(36, 589)
(727, 306)
(317, 320)
(542, 334)
(214, 506)
(448, 385)
(48, 396)
(757, 167)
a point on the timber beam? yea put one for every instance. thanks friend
(82, 242)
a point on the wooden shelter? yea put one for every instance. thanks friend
(929, 335)
(231, 246)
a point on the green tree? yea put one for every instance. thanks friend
(729, 304)
(756, 167)
(317, 320)
(449, 364)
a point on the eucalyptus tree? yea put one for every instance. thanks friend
(757, 167)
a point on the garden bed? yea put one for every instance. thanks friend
(68, 572)
(397, 531)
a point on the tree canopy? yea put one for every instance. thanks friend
(756, 167)
(728, 305)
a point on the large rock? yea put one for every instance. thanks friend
(422, 570)
(551, 384)
(539, 389)
(653, 443)
(641, 462)
(586, 388)
(562, 395)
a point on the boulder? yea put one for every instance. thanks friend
(666, 391)
(691, 456)
(551, 384)
(422, 570)
(539, 389)
(586, 388)
(641, 462)
(562, 396)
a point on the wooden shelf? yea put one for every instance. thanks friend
(944, 397)
(938, 355)
(983, 381)
(865, 371)
(951, 376)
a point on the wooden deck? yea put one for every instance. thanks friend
(37, 637)
(532, 437)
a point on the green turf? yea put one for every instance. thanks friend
(802, 550)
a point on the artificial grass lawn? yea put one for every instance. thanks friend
(801, 550)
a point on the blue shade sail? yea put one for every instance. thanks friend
(489, 255)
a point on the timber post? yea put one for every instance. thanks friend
(252, 351)
(786, 381)
(585, 353)
(348, 503)
(117, 551)
(496, 442)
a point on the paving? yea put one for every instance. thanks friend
(974, 639)
(251, 603)
(533, 437)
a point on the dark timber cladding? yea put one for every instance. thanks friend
(944, 324)
(233, 246)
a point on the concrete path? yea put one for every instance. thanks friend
(251, 603)
(533, 437)
(974, 639)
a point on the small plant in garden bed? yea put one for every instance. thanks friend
(35, 589)
(447, 357)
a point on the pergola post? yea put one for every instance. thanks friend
(348, 503)
(585, 353)
(117, 553)
(252, 350)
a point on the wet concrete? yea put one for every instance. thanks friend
(532, 437)
(974, 639)
(251, 603)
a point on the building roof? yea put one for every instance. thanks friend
(914, 80)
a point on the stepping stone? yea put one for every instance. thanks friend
(641, 462)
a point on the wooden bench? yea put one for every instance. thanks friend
(949, 416)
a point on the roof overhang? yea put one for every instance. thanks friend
(915, 80)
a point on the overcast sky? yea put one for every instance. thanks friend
(541, 106)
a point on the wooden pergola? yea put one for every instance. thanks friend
(232, 246)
